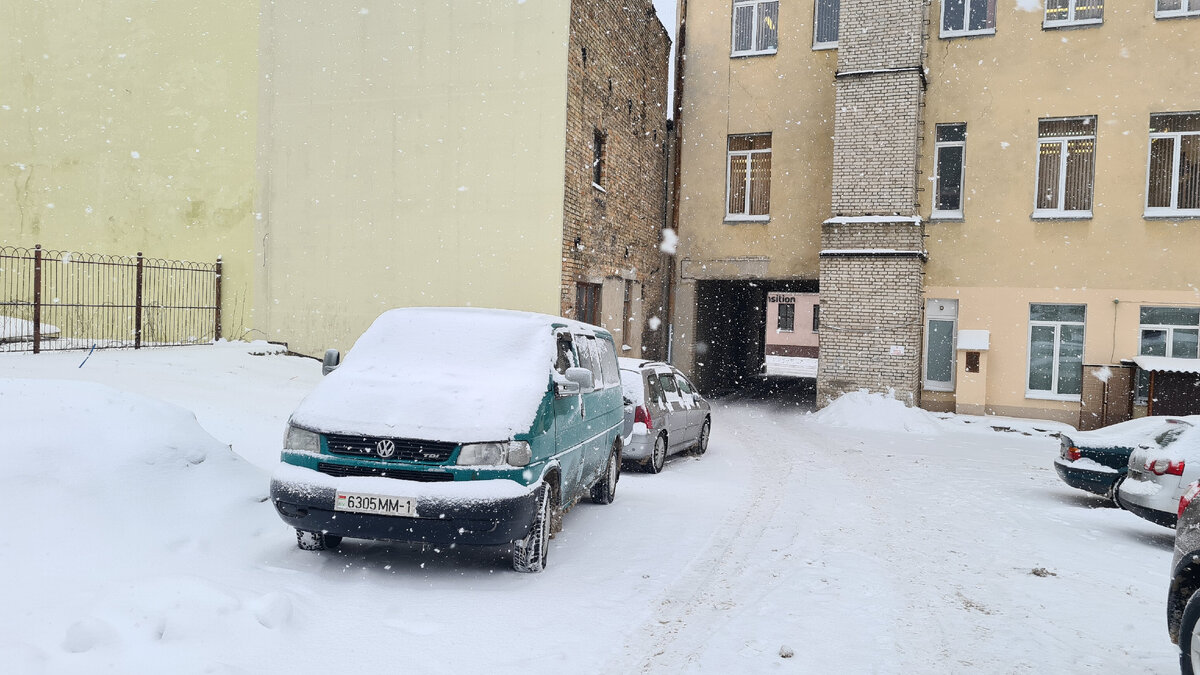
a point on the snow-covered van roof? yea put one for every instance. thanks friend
(440, 373)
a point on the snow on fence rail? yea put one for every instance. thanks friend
(68, 300)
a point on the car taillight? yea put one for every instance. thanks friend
(1073, 453)
(1188, 495)
(1161, 467)
(640, 414)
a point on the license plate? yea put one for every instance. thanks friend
(377, 504)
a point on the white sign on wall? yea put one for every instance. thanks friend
(897, 350)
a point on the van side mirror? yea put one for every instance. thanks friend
(333, 359)
(572, 382)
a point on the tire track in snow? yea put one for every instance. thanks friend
(712, 583)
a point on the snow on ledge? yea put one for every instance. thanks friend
(974, 340)
(871, 251)
(847, 220)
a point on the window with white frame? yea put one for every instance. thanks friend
(1066, 162)
(755, 27)
(1073, 13)
(1173, 174)
(1165, 9)
(748, 177)
(825, 23)
(1166, 331)
(787, 317)
(968, 17)
(1055, 368)
(949, 145)
(941, 330)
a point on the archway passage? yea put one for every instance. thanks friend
(731, 339)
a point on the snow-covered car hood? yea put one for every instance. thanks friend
(444, 374)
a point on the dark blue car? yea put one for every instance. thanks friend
(1096, 461)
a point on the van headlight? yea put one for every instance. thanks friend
(301, 439)
(514, 453)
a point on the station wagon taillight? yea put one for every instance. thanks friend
(640, 414)
(1161, 467)
(1073, 453)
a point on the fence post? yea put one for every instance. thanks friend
(37, 298)
(137, 315)
(217, 317)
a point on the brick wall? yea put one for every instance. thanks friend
(872, 273)
(620, 88)
(876, 138)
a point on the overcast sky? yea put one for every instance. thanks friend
(666, 14)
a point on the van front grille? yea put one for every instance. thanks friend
(403, 449)
(342, 470)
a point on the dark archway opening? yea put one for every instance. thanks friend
(730, 335)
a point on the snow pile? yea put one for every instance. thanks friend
(125, 504)
(442, 374)
(877, 412)
(13, 329)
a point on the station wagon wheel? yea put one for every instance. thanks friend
(702, 440)
(658, 457)
(605, 490)
(529, 554)
(1189, 636)
(316, 541)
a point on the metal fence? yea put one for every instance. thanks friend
(65, 300)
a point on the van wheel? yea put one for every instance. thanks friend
(316, 541)
(658, 457)
(606, 490)
(529, 554)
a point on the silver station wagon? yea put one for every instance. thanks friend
(664, 413)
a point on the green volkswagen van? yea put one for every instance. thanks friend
(455, 426)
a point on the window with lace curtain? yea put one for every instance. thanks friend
(748, 177)
(1066, 166)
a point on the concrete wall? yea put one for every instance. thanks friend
(998, 259)
(129, 125)
(412, 155)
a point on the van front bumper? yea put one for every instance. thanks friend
(444, 520)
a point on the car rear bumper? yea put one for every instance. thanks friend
(638, 447)
(475, 522)
(1151, 500)
(1096, 482)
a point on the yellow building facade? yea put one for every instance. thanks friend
(1060, 234)
(131, 126)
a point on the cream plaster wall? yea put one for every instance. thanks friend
(789, 94)
(410, 155)
(1110, 333)
(998, 260)
(129, 125)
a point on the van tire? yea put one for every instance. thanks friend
(316, 541)
(604, 491)
(529, 554)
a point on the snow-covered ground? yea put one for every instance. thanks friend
(865, 538)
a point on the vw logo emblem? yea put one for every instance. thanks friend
(385, 448)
